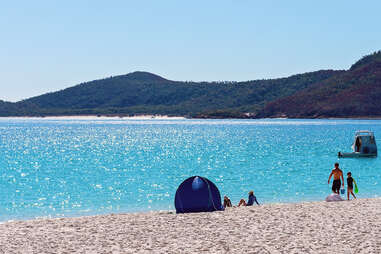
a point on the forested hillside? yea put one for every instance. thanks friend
(325, 93)
(146, 93)
(354, 93)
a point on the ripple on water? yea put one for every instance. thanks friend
(81, 167)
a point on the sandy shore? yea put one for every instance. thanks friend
(316, 227)
(94, 117)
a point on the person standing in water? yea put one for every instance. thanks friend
(350, 181)
(337, 174)
(358, 144)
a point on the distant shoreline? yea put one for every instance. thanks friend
(167, 117)
(95, 117)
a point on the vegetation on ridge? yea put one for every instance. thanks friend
(145, 93)
(353, 93)
(326, 93)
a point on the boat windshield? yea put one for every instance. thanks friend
(364, 133)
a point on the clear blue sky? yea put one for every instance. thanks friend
(50, 45)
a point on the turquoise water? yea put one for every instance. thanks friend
(55, 168)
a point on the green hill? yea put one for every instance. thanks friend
(353, 93)
(325, 93)
(146, 93)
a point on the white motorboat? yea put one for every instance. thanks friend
(364, 145)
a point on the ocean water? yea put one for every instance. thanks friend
(65, 168)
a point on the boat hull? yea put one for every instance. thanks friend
(357, 155)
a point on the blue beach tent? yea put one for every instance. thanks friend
(197, 194)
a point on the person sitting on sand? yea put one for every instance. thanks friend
(227, 202)
(250, 200)
(337, 173)
(350, 181)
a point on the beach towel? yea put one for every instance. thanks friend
(333, 198)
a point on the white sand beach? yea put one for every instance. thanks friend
(313, 227)
(101, 117)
